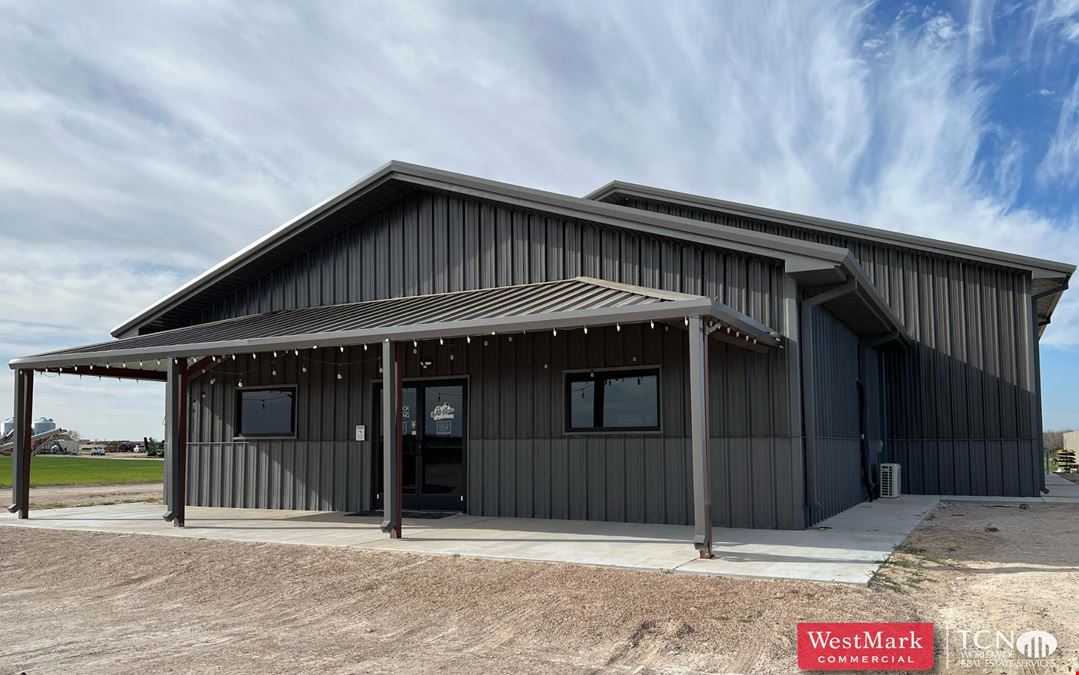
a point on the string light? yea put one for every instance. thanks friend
(586, 330)
(618, 327)
(233, 357)
(273, 372)
(365, 346)
(275, 355)
(441, 341)
(240, 384)
(296, 352)
(339, 376)
(254, 356)
(652, 324)
(342, 349)
(212, 380)
(468, 339)
(554, 332)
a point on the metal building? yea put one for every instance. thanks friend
(635, 355)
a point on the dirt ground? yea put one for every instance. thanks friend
(59, 496)
(90, 602)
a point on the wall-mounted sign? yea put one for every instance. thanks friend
(361, 432)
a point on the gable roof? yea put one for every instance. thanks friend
(1041, 267)
(394, 180)
(1049, 278)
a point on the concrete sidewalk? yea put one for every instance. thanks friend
(847, 548)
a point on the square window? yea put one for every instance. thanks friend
(266, 412)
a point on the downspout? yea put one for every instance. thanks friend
(1037, 352)
(809, 402)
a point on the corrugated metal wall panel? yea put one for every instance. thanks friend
(838, 457)
(519, 461)
(969, 377)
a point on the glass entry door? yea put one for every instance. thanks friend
(432, 444)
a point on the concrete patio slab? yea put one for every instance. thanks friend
(847, 548)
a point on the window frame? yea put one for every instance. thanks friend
(600, 374)
(267, 387)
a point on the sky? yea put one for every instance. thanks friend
(142, 142)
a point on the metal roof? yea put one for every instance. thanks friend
(582, 301)
(1040, 266)
(397, 179)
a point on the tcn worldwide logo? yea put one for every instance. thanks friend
(995, 649)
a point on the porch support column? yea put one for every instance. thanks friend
(391, 439)
(20, 456)
(176, 433)
(699, 441)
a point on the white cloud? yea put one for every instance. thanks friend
(142, 142)
(1061, 162)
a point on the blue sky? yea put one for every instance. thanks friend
(142, 142)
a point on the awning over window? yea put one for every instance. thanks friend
(582, 301)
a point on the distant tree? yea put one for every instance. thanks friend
(74, 435)
(1053, 439)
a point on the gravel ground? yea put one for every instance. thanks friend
(92, 602)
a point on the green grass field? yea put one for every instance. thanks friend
(45, 470)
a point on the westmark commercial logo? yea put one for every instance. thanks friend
(865, 646)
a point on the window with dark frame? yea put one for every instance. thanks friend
(619, 400)
(266, 412)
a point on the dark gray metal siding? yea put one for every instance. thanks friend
(838, 461)
(519, 461)
(432, 243)
(961, 404)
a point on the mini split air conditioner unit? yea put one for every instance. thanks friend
(890, 481)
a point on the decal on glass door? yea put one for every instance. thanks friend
(443, 415)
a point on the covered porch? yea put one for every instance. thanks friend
(394, 332)
(847, 548)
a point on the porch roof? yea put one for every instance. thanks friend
(581, 301)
